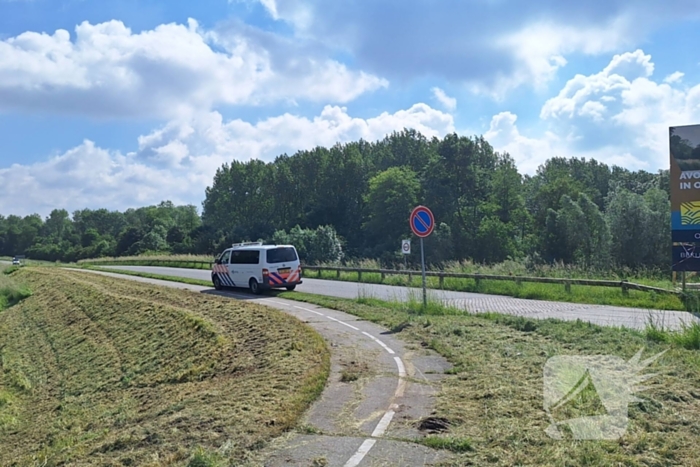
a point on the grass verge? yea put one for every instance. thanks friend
(98, 371)
(492, 399)
(11, 292)
(526, 290)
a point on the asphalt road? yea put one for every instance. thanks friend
(604, 315)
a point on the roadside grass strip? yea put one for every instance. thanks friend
(490, 410)
(97, 371)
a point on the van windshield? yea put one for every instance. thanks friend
(281, 255)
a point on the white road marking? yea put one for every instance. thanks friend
(343, 323)
(386, 347)
(311, 311)
(402, 369)
(383, 424)
(362, 451)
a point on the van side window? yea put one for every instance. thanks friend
(252, 257)
(225, 257)
(236, 257)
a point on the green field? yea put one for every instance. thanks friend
(492, 400)
(98, 371)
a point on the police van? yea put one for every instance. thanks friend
(258, 267)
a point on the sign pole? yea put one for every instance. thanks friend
(422, 263)
(422, 224)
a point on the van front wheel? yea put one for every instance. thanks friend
(291, 287)
(254, 286)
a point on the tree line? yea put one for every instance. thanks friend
(355, 199)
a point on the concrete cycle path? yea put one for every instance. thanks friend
(374, 420)
(604, 315)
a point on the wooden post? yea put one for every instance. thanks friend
(359, 275)
(625, 290)
(442, 280)
(567, 286)
(683, 279)
(337, 273)
(382, 280)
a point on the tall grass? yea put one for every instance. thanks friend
(11, 292)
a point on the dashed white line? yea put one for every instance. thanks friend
(402, 368)
(383, 424)
(355, 460)
(343, 323)
(311, 311)
(386, 347)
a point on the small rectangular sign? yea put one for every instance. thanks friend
(406, 247)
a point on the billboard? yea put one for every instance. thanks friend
(685, 196)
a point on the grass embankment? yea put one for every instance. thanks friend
(537, 291)
(98, 371)
(492, 400)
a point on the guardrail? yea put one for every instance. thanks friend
(624, 285)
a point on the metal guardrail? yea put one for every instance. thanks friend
(624, 285)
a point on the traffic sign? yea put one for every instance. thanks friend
(422, 221)
(406, 247)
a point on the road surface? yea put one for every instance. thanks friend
(604, 315)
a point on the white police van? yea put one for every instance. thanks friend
(258, 267)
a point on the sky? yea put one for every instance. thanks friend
(121, 104)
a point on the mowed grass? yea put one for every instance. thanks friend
(528, 290)
(103, 371)
(492, 399)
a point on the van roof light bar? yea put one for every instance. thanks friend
(246, 244)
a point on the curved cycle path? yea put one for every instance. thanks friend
(373, 420)
(604, 315)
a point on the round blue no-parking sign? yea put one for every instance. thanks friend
(422, 221)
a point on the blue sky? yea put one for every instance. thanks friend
(120, 104)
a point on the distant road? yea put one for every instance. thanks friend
(604, 315)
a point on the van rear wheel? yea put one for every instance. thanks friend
(254, 286)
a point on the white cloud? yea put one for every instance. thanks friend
(617, 116)
(178, 161)
(492, 46)
(108, 70)
(674, 77)
(450, 103)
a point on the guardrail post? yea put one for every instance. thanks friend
(567, 286)
(410, 278)
(477, 280)
(337, 273)
(318, 272)
(359, 275)
(625, 289)
(382, 279)
(442, 280)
